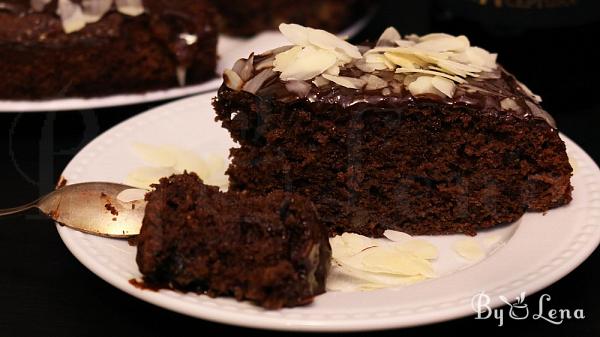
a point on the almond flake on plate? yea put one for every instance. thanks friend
(469, 248)
(132, 194)
(396, 236)
(358, 260)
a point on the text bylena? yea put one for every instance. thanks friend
(519, 310)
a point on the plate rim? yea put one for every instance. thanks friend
(267, 322)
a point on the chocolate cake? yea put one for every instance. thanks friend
(425, 135)
(241, 17)
(63, 48)
(269, 249)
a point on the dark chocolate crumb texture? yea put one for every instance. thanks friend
(421, 134)
(70, 48)
(270, 249)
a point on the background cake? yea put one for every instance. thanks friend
(61, 48)
(269, 249)
(425, 135)
(240, 17)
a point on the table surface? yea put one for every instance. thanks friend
(45, 291)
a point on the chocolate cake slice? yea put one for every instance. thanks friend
(425, 135)
(269, 249)
(54, 49)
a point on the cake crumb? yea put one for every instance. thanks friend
(111, 208)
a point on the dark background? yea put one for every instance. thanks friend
(45, 291)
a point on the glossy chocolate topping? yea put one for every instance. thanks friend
(497, 92)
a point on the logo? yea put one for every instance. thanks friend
(519, 310)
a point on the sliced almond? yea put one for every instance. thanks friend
(248, 69)
(238, 66)
(434, 36)
(154, 155)
(431, 72)
(71, 16)
(266, 63)
(130, 7)
(389, 261)
(446, 86)
(388, 37)
(447, 43)
(404, 43)
(326, 40)
(374, 82)
(509, 104)
(396, 86)
(334, 70)
(370, 67)
(143, 177)
(409, 78)
(320, 81)
(277, 50)
(423, 85)
(469, 248)
(94, 10)
(377, 59)
(309, 63)
(300, 88)
(400, 60)
(529, 93)
(286, 58)
(255, 83)
(396, 236)
(457, 67)
(417, 247)
(132, 194)
(295, 33)
(349, 244)
(348, 82)
(232, 80)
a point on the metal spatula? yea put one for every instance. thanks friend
(99, 208)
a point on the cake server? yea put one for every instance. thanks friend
(99, 208)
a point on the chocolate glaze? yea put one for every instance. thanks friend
(484, 93)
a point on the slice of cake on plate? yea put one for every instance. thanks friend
(420, 134)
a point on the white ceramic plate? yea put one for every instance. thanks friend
(230, 49)
(534, 252)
